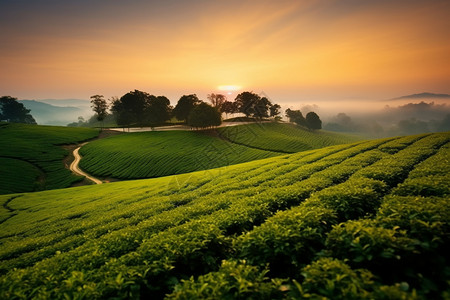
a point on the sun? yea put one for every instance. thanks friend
(229, 89)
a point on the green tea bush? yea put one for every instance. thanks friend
(286, 216)
(287, 240)
(329, 278)
(354, 198)
(365, 244)
(234, 280)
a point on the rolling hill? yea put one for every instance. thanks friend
(155, 154)
(368, 220)
(31, 156)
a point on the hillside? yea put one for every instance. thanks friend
(361, 221)
(155, 154)
(31, 156)
(423, 96)
(285, 138)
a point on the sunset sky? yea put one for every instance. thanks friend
(291, 50)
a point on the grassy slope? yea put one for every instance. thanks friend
(286, 138)
(162, 153)
(156, 154)
(31, 156)
(294, 214)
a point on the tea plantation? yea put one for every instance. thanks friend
(369, 220)
(31, 156)
(156, 154)
(279, 137)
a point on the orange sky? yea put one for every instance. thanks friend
(291, 50)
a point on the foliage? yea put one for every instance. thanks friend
(313, 121)
(295, 116)
(234, 280)
(203, 116)
(184, 106)
(15, 112)
(218, 232)
(32, 156)
(252, 104)
(229, 107)
(99, 106)
(217, 100)
(141, 108)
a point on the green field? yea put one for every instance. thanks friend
(368, 220)
(31, 156)
(285, 138)
(156, 154)
(162, 153)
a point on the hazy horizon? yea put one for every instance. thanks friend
(293, 51)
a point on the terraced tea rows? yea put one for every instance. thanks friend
(287, 138)
(31, 156)
(343, 222)
(156, 154)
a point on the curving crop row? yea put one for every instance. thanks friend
(317, 224)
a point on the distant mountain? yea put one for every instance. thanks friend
(47, 114)
(67, 102)
(423, 96)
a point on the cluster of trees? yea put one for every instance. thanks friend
(142, 109)
(13, 111)
(311, 121)
(248, 103)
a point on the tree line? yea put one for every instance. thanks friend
(138, 108)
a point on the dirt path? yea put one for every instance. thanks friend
(75, 168)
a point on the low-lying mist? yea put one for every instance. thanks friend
(382, 118)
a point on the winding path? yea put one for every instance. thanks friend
(76, 169)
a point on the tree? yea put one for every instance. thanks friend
(313, 121)
(184, 106)
(158, 110)
(296, 117)
(229, 107)
(217, 100)
(204, 115)
(100, 107)
(246, 101)
(274, 110)
(131, 108)
(261, 108)
(13, 111)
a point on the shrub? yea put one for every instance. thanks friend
(234, 280)
(287, 240)
(354, 198)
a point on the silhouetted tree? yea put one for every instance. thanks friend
(100, 107)
(313, 121)
(204, 115)
(246, 101)
(274, 110)
(184, 106)
(130, 108)
(217, 100)
(15, 112)
(261, 108)
(296, 117)
(229, 107)
(158, 110)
